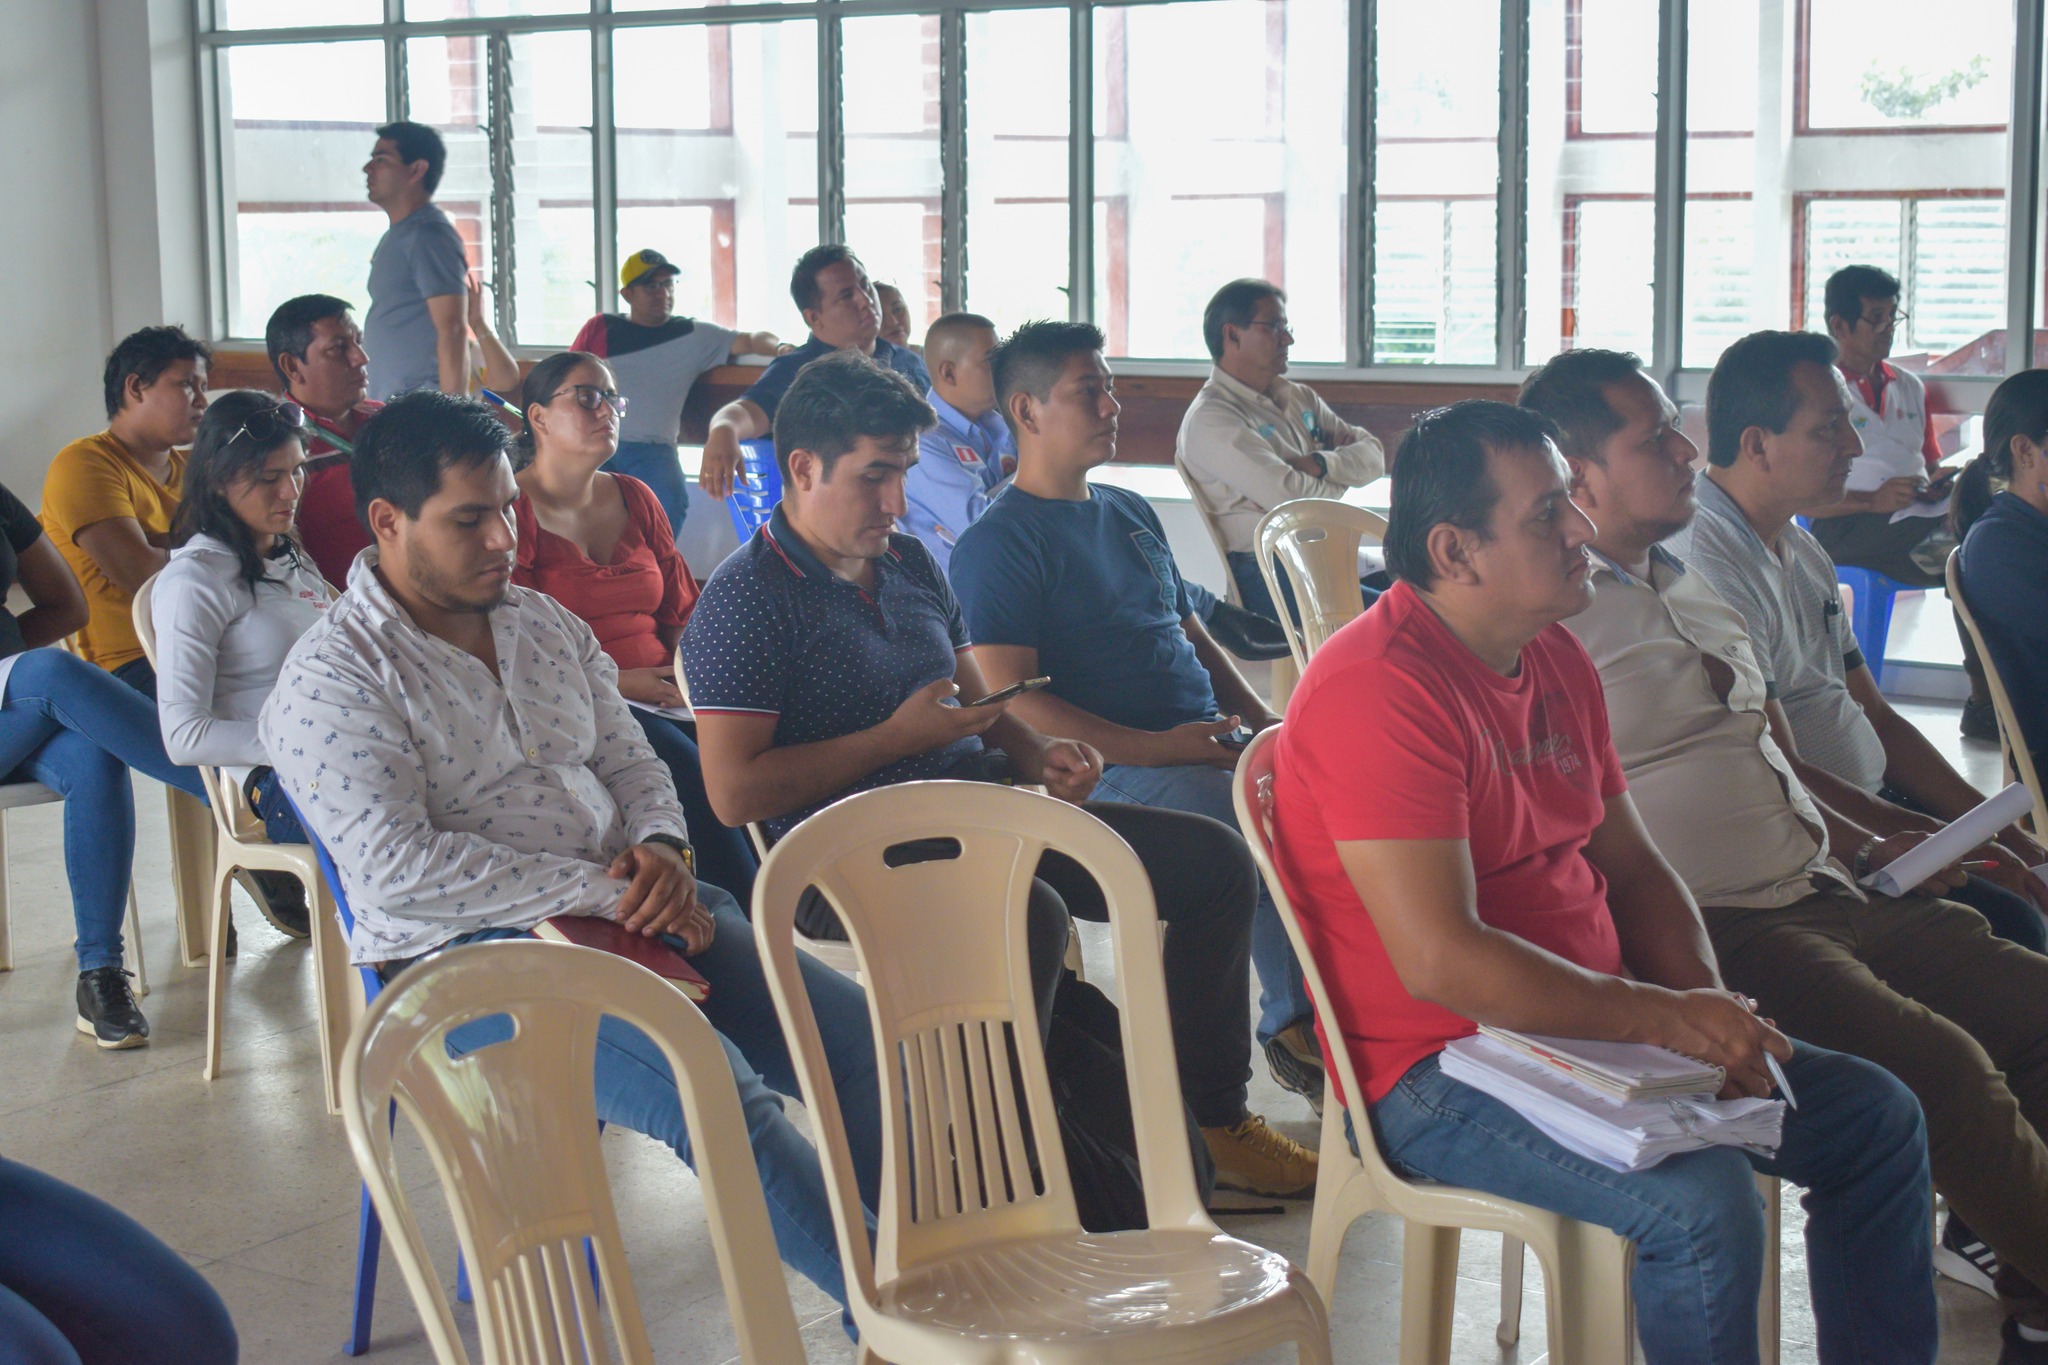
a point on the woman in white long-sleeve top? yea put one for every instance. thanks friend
(238, 592)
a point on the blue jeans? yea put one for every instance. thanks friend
(78, 729)
(636, 1090)
(1283, 994)
(139, 674)
(724, 856)
(1856, 1144)
(280, 822)
(657, 466)
(81, 1281)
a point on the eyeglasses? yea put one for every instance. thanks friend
(1277, 328)
(271, 423)
(1891, 319)
(590, 397)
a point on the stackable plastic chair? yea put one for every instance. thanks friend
(1286, 672)
(513, 1135)
(14, 796)
(239, 842)
(2019, 761)
(980, 1256)
(1315, 542)
(1586, 1269)
(757, 490)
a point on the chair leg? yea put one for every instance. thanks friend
(1592, 1317)
(1343, 1192)
(216, 978)
(1512, 1259)
(334, 996)
(369, 1243)
(1768, 1297)
(135, 941)
(192, 857)
(6, 928)
(1429, 1291)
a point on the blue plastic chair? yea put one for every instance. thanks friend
(1870, 615)
(752, 502)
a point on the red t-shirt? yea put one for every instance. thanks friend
(327, 504)
(1398, 731)
(630, 604)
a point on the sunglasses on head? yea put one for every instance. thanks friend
(270, 423)
(590, 397)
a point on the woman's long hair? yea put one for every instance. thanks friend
(238, 433)
(2018, 407)
(541, 384)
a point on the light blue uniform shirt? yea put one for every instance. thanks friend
(961, 464)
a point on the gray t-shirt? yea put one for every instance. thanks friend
(655, 367)
(420, 257)
(1791, 601)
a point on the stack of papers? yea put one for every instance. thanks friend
(1966, 832)
(1620, 1071)
(1624, 1135)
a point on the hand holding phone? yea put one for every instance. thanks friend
(1015, 689)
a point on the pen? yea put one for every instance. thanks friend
(1778, 1077)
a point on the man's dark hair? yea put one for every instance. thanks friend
(839, 398)
(146, 355)
(1235, 304)
(402, 450)
(1032, 358)
(1852, 286)
(1440, 475)
(803, 281)
(1570, 391)
(418, 142)
(1751, 386)
(290, 329)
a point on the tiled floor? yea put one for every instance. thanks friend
(252, 1181)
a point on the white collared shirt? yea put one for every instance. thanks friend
(1234, 444)
(451, 800)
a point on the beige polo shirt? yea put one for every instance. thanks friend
(1234, 444)
(1685, 700)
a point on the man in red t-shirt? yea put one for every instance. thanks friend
(317, 350)
(1456, 836)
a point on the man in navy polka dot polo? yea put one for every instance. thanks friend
(828, 656)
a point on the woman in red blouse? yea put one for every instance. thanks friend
(600, 544)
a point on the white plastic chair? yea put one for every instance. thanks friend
(1586, 1269)
(2019, 761)
(512, 1131)
(239, 842)
(1315, 542)
(980, 1257)
(14, 796)
(1286, 672)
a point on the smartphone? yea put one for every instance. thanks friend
(1237, 738)
(1016, 689)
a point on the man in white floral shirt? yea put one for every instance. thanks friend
(459, 744)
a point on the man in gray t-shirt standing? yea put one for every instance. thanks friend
(414, 333)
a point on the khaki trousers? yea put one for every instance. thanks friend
(1921, 987)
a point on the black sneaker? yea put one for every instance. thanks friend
(282, 899)
(1246, 634)
(107, 1009)
(1961, 1255)
(1296, 1061)
(1980, 720)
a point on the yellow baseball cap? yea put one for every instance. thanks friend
(642, 263)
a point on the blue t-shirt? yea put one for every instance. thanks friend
(2005, 580)
(419, 257)
(775, 633)
(766, 392)
(1093, 588)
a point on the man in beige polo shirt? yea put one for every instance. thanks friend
(1253, 438)
(1915, 983)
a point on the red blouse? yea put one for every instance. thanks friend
(630, 603)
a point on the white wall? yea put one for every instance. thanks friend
(55, 320)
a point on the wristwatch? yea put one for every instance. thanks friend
(681, 846)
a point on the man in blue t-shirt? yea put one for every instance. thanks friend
(831, 289)
(828, 657)
(1076, 582)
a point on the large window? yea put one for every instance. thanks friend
(1211, 141)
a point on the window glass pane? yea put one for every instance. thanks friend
(1592, 72)
(1018, 108)
(1882, 64)
(1219, 153)
(1729, 292)
(292, 174)
(553, 221)
(424, 11)
(296, 13)
(718, 163)
(891, 91)
(447, 88)
(1438, 166)
(1948, 255)
(1718, 294)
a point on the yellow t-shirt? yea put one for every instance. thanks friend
(94, 480)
